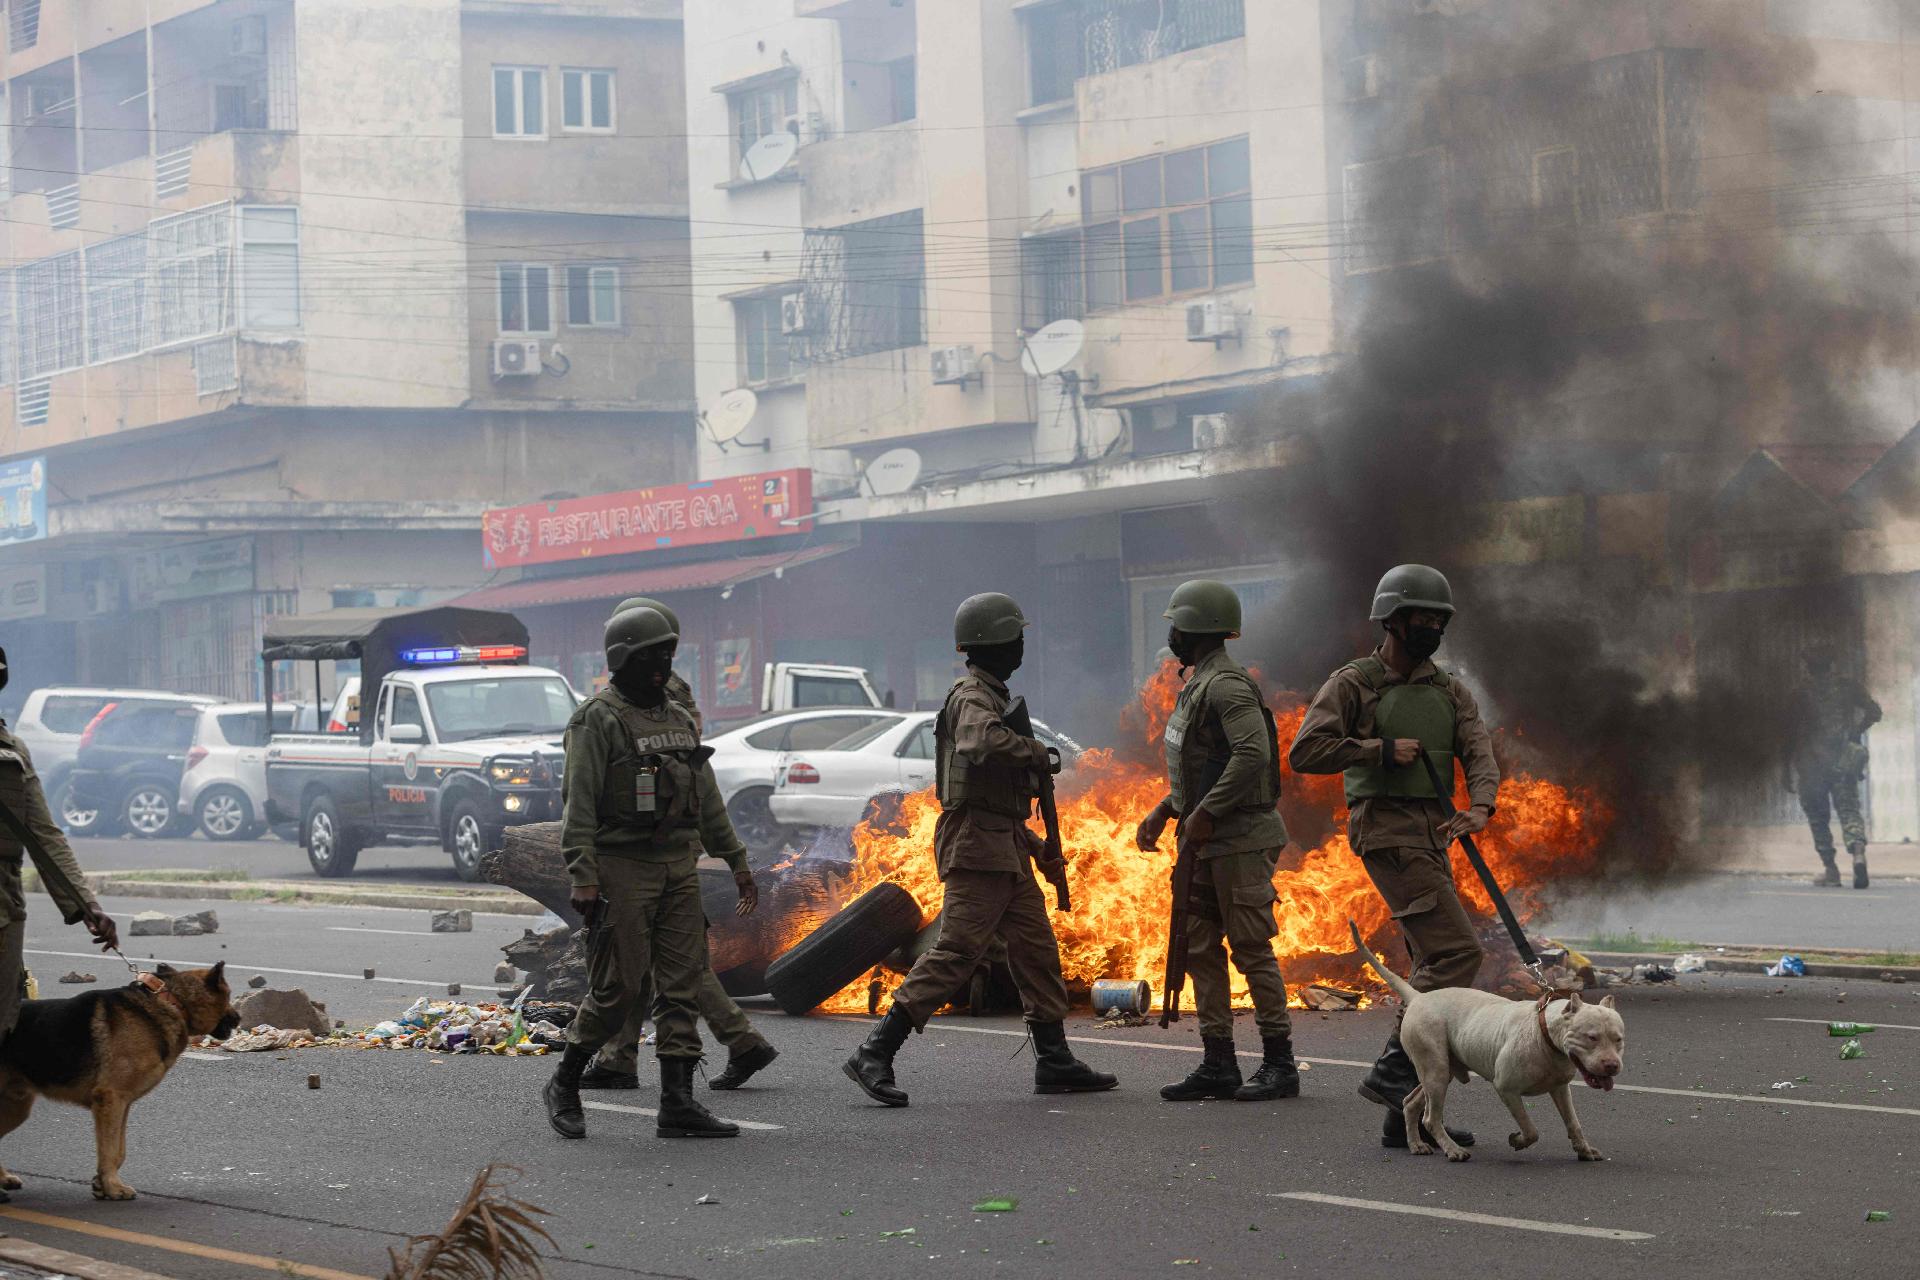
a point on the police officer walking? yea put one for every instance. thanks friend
(1371, 720)
(617, 1065)
(641, 803)
(1223, 775)
(985, 779)
(1825, 760)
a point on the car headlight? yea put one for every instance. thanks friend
(511, 773)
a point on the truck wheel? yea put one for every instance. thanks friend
(148, 811)
(331, 850)
(754, 823)
(224, 813)
(468, 840)
(874, 926)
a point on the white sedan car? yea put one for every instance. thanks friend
(832, 786)
(746, 762)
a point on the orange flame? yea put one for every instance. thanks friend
(1118, 928)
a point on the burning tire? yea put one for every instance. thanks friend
(871, 928)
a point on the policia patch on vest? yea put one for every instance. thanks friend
(650, 785)
(1424, 712)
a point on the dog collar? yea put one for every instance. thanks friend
(1540, 1018)
(154, 987)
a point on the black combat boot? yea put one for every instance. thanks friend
(681, 1115)
(1217, 1076)
(1859, 852)
(1056, 1070)
(601, 1077)
(562, 1093)
(871, 1066)
(1278, 1076)
(1391, 1078)
(1829, 877)
(742, 1066)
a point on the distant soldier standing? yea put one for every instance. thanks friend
(1371, 720)
(1224, 778)
(640, 804)
(1825, 760)
(617, 1066)
(985, 780)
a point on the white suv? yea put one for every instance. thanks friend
(51, 722)
(224, 787)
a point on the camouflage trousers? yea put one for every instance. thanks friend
(1822, 794)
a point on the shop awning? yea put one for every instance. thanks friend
(701, 575)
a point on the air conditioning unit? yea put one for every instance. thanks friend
(1210, 320)
(793, 314)
(247, 37)
(1210, 430)
(953, 365)
(516, 357)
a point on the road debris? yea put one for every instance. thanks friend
(151, 924)
(1651, 973)
(257, 981)
(290, 1010)
(997, 1204)
(453, 988)
(1121, 995)
(313, 1082)
(460, 921)
(895, 1235)
(709, 1198)
(1115, 1020)
(1878, 1215)
(1330, 999)
(1785, 1084)
(367, 974)
(1789, 967)
(1851, 1050)
(504, 973)
(196, 924)
(74, 976)
(1691, 962)
(1850, 1028)
(1890, 976)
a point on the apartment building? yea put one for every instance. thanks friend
(296, 291)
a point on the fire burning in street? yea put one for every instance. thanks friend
(1118, 928)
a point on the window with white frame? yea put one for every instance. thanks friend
(593, 297)
(586, 100)
(766, 353)
(761, 111)
(269, 267)
(525, 299)
(188, 275)
(116, 297)
(50, 322)
(519, 102)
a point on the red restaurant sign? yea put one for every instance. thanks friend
(679, 515)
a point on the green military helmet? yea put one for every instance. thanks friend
(648, 602)
(632, 630)
(988, 618)
(1411, 586)
(1203, 607)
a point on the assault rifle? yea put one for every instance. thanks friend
(1053, 865)
(1177, 935)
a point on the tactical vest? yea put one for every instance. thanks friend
(1006, 789)
(650, 782)
(13, 794)
(1424, 712)
(1191, 772)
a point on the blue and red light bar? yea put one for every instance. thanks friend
(456, 655)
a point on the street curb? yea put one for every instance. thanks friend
(110, 885)
(80, 1268)
(1725, 964)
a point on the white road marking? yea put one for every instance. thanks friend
(649, 1111)
(1765, 1099)
(405, 933)
(201, 1056)
(1461, 1215)
(1821, 1022)
(488, 985)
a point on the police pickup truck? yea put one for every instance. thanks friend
(462, 739)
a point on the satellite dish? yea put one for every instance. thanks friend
(730, 414)
(1053, 348)
(768, 156)
(893, 472)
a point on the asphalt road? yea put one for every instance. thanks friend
(265, 859)
(1712, 1170)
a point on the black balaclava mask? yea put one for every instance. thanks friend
(644, 676)
(1185, 647)
(1421, 642)
(998, 660)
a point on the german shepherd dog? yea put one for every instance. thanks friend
(105, 1050)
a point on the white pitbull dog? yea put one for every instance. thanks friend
(1524, 1049)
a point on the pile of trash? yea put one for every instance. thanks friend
(524, 1028)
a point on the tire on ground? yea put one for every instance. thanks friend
(867, 931)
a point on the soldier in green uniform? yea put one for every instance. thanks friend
(60, 871)
(641, 804)
(1224, 773)
(1826, 759)
(617, 1065)
(985, 780)
(1371, 721)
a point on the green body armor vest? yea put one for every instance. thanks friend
(650, 784)
(1005, 789)
(1423, 712)
(1191, 773)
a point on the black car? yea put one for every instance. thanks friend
(129, 765)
